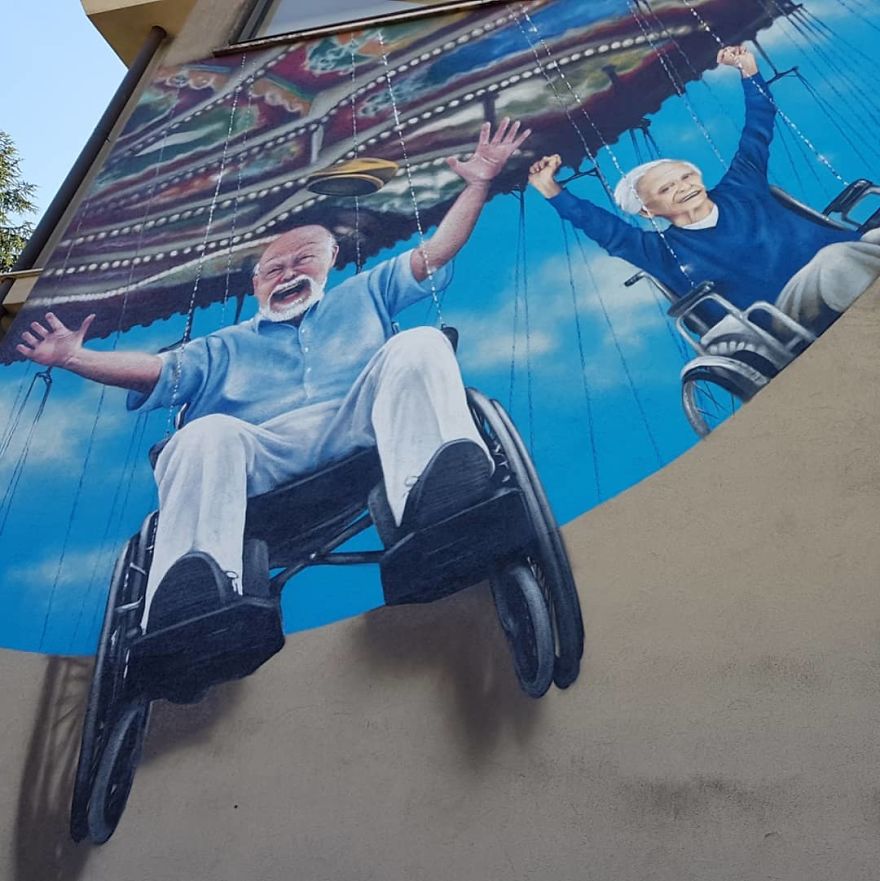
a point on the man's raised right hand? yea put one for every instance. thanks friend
(53, 345)
(542, 175)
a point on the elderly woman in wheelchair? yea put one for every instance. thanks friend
(753, 275)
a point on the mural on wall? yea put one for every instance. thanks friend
(364, 318)
(420, 293)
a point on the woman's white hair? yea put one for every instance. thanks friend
(626, 193)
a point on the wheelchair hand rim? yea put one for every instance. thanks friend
(560, 589)
(525, 619)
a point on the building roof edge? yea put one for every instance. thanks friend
(125, 24)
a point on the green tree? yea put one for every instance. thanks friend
(15, 201)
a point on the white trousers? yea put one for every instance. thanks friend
(407, 401)
(832, 280)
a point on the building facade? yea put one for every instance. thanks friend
(716, 493)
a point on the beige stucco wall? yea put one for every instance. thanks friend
(725, 726)
(124, 24)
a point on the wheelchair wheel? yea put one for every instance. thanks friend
(525, 619)
(108, 692)
(115, 773)
(713, 388)
(546, 557)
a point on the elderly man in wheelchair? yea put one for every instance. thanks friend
(753, 275)
(305, 426)
(308, 380)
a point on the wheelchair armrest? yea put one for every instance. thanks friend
(156, 450)
(855, 193)
(690, 300)
(800, 337)
(451, 333)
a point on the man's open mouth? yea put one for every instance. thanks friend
(692, 195)
(289, 293)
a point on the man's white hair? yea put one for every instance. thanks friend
(626, 193)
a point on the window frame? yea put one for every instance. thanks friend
(244, 39)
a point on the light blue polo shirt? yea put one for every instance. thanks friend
(259, 369)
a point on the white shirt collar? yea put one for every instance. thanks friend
(709, 221)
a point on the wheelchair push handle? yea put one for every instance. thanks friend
(691, 299)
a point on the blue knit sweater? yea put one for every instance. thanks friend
(758, 244)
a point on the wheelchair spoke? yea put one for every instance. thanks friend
(706, 391)
(714, 391)
(713, 408)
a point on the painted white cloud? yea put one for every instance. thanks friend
(76, 570)
(60, 439)
(632, 315)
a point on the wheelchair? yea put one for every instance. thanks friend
(738, 353)
(510, 538)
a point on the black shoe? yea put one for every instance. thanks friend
(458, 475)
(194, 584)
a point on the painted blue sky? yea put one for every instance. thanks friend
(593, 386)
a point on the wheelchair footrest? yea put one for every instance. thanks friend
(457, 552)
(182, 661)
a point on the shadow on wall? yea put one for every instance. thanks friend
(44, 850)
(173, 727)
(460, 642)
(457, 642)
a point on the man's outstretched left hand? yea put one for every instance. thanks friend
(491, 153)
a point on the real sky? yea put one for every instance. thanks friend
(59, 76)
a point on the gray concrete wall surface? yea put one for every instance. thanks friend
(725, 726)
(210, 25)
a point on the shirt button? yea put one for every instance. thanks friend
(305, 348)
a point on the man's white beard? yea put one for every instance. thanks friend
(295, 309)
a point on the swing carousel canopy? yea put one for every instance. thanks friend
(222, 155)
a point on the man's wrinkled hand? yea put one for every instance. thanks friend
(491, 153)
(52, 344)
